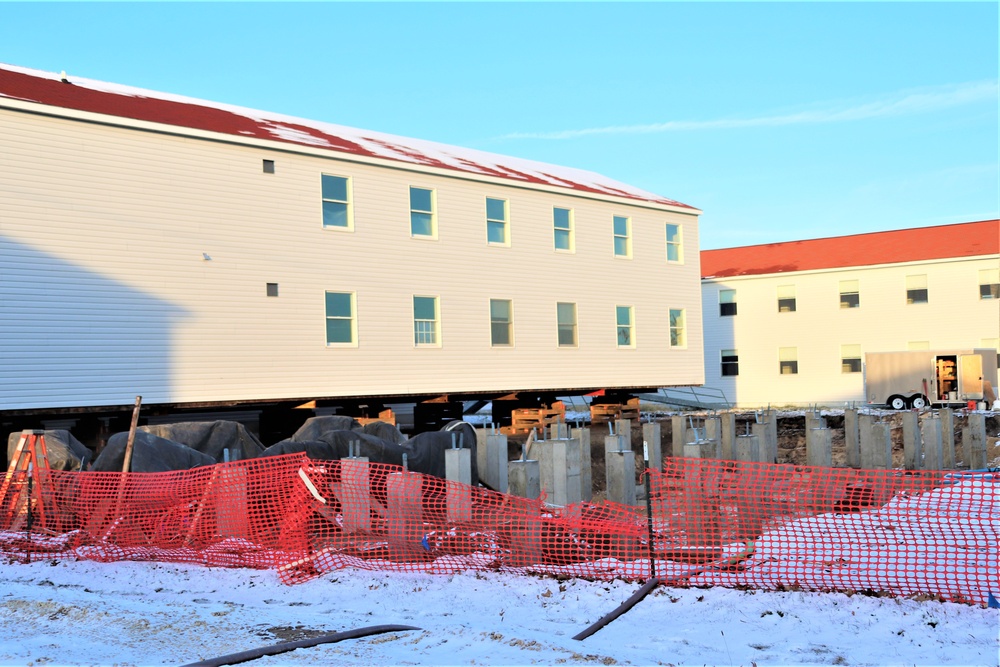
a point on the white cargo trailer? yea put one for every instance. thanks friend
(920, 378)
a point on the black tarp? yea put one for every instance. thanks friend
(313, 427)
(150, 453)
(211, 438)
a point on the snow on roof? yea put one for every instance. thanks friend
(127, 102)
(970, 239)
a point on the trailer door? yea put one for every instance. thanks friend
(970, 378)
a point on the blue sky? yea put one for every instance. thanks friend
(781, 121)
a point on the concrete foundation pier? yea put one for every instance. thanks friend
(495, 470)
(652, 439)
(586, 465)
(559, 466)
(974, 441)
(727, 439)
(947, 416)
(852, 438)
(876, 444)
(621, 476)
(458, 468)
(912, 446)
(678, 435)
(819, 446)
(747, 448)
(814, 420)
(355, 497)
(525, 478)
(623, 427)
(930, 436)
(613, 443)
(558, 431)
(762, 430)
(404, 505)
(713, 433)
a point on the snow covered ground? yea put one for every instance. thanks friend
(85, 613)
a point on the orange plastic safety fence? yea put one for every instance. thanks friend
(724, 523)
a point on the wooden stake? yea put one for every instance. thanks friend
(127, 463)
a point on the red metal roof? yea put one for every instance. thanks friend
(968, 239)
(126, 102)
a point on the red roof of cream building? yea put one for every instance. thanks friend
(86, 95)
(970, 239)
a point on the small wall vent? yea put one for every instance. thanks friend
(268, 166)
(272, 289)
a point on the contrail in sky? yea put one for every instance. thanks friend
(900, 104)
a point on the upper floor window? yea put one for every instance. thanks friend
(727, 302)
(566, 323)
(626, 326)
(850, 358)
(562, 228)
(786, 298)
(989, 284)
(341, 324)
(422, 218)
(426, 320)
(675, 249)
(623, 236)
(336, 202)
(501, 323)
(788, 360)
(496, 221)
(850, 297)
(916, 289)
(678, 333)
(730, 363)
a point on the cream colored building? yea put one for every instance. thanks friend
(201, 254)
(790, 323)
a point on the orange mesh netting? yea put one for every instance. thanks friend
(763, 526)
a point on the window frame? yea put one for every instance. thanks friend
(504, 222)
(353, 318)
(846, 302)
(788, 360)
(989, 284)
(786, 304)
(569, 230)
(573, 327)
(629, 328)
(348, 207)
(678, 244)
(509, 323)
(432, 213)
(436, 321)
(730, 363)
(850, 363)
(627, 236)
(722, 309)
(677, 332)
(914, 288)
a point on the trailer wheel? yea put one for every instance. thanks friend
(896, 402)
(919, 402)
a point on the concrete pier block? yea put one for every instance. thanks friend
(852, 438)
(728, 438)
(558, 431)
(559, 467)
(819, 447)
(586, 462)
(704, 449)
(814, 420)
(355, 500)
(912, 446)
(771, 445)
(974, 441)
(458, 468)
(947, 416)
(404, 505)
(930, 436)
(613, 443)
(621, 476)
(525, 478)
(876, 444)
(763, 433)
(747, 448)
(623, 427)
(652, 438)
(481, 435)
(495, 470)
(678, 435)
(713, 433)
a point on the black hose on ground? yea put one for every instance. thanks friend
(254, 653)
(625, 606)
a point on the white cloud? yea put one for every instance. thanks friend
(898, 104)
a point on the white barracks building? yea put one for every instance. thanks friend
(790, 323)
(200, 254)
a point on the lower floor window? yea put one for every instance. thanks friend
(788, 362)
(850, 358)
(678, 336)
(730, 363)
(425, 320)
(340, 321)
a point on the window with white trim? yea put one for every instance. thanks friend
(916, 289)
(566, 324)
(850, 358)
(426, 321)
(501, 323)
(562, 228)
(626, 326)
(341, 324)
(678, 329)
(336, 202)
(786, 298)
(788, 360)
(730, 363)
(727, 302)
(496, 222)
(989, 284)
(850, 296)
(675, 248)
(622, 236)
(423, 222)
